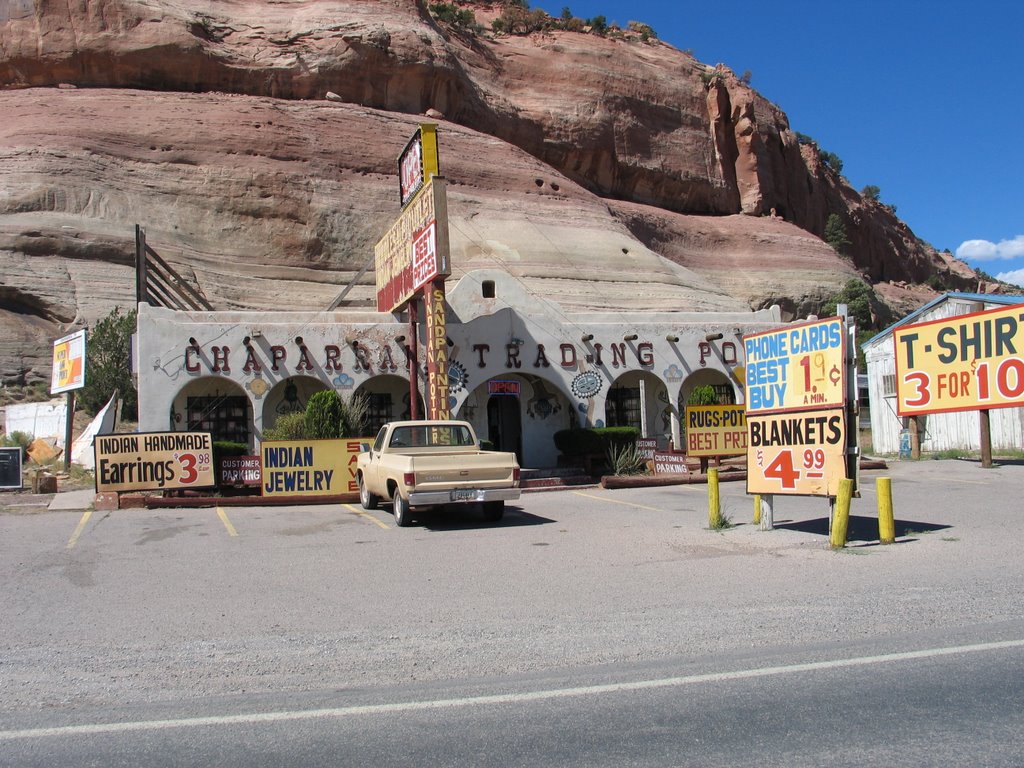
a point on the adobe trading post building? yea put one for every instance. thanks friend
(518, 366)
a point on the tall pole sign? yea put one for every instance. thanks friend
(412, 261)
(68, 375)
(796, 420)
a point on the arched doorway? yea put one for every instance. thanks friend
(505, 424)
(520, 413)
(215, 405)
(640, 399)
(387, 399)
(289, 395)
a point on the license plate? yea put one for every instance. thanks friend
(466, 495)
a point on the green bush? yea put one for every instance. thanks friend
(703, 395)
(323, 415)
(17, 439)
(625, 460)
(832, 160)
(291, 426)
(449, 13)
(223, 448)
(353, 416)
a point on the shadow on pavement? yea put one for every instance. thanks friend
(861, 528)
(465, 518)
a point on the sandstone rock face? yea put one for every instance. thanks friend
(591, 168)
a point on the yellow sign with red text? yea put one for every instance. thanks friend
(715, 430)
(799, 454)
(962, 363)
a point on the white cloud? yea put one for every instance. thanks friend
(985, 250)
(1016, 277)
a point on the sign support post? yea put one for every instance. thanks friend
(985, 438)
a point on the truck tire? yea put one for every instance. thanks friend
(493, 511)
(403, 515)
(367, 499)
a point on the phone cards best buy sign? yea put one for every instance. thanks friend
(797, 368)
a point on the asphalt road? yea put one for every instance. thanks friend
(588, 628)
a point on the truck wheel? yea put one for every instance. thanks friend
(493, 511)
(403, 515)
(367, 499)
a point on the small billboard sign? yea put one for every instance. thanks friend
(962, 363)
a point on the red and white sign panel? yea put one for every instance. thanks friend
(424, 256)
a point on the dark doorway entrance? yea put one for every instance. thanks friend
(504, 424)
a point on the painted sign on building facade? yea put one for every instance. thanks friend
(963, 363)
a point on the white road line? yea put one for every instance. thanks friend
(508, 698)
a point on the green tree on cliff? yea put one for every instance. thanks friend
(108, 364)
(835, 233)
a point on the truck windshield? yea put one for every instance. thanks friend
(426, 436)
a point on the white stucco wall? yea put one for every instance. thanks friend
(565, 363)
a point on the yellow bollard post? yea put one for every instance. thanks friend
(841, 521)
(886, 522)
(714, 506)
(757, 509)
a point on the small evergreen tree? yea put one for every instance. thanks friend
(108, 364)
(858, 297)
(832, 160)
(323, 415)
(870, 192)
(835, 233)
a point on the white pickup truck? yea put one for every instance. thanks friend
(435, 463)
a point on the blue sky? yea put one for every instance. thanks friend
(924, 100)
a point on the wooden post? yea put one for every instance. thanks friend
(985, 438)
(915, 438)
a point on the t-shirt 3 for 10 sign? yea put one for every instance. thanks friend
(796, 425)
